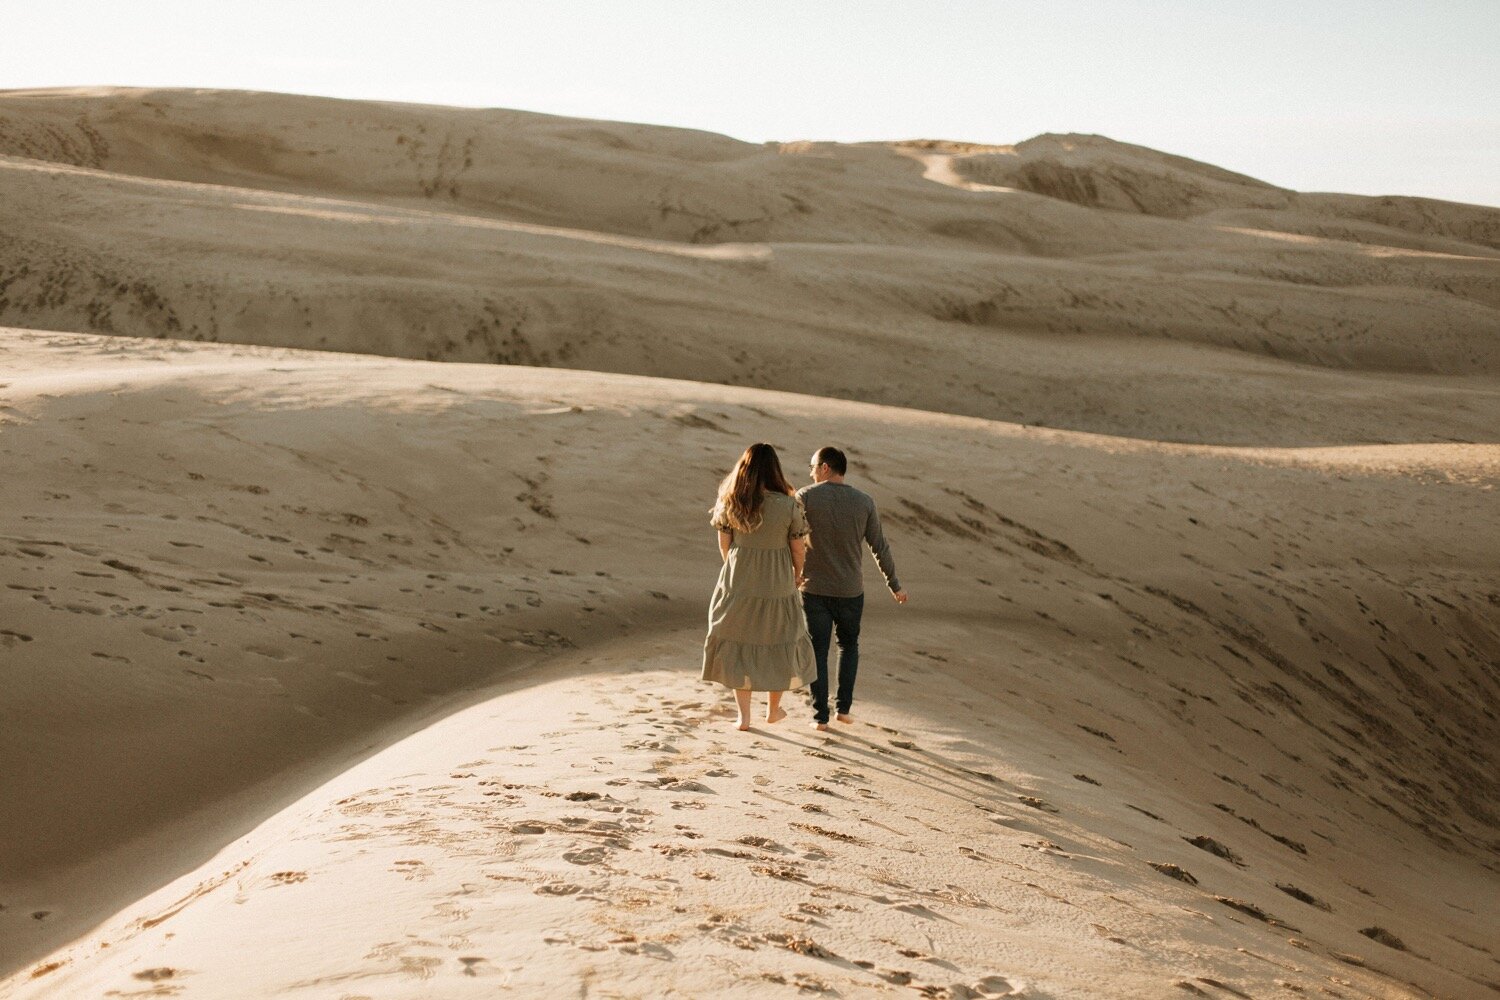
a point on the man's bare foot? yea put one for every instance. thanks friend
(821, 727)
(845, 718)
(774, 715)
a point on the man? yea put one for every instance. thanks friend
(833, 592)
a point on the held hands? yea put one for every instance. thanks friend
(899, 596)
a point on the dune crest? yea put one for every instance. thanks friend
(1159, 689)
(354, 558)
(509, 237)
(1098, 172)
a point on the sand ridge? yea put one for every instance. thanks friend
(1192, 479)
(278, 563)
(346, 225)
(662, 841)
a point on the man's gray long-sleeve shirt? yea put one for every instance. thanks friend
(841, 518)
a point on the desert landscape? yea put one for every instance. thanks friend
(355, 558)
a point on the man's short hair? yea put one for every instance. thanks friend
(833, 458)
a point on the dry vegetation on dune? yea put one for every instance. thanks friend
(1196, 696)
(485, 235)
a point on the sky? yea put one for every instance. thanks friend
(1360, 96)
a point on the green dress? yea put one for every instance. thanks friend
(757, 636)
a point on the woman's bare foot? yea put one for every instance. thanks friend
(742, 704)
(743, 725)
(775, 715)
(845, 718)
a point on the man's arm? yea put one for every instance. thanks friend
(881, 549)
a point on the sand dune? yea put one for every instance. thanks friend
(374, 673)
(1098, 172)
(307, 222)
(232, 572)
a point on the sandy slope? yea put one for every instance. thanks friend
(233, 572)
(1218, 310)
(360, 676)
(1095, 171)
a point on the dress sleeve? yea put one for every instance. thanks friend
(798, 527)
(718, 518)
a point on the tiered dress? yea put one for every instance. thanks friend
(757, 636)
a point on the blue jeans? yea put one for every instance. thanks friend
(827, 617)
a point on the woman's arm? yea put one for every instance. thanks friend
(725, 538)
(799, 553)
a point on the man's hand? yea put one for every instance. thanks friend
(900, 596)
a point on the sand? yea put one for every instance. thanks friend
(501, 236)
(346, 675)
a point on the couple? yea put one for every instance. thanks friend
(763, 635)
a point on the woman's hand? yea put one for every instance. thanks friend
(799, 553)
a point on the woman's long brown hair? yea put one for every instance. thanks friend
(756, 473)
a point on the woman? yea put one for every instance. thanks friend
(757, 636)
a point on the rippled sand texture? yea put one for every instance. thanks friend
(357, 676)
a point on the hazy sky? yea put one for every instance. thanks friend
(1365, 96)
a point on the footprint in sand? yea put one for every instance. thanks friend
(1216, 984)
(987, 988)
(412, 870)
(1215, 848)
(1306, 897)
(558, 889)
(1173, 871)
(1384, 937)
(1036, 803)
(420, 967)
(1107, 934)
(1251, 910)
(586, 856)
